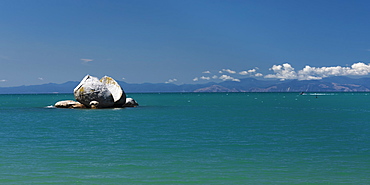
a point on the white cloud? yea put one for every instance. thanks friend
(248, 71)
(3, 80)
(243, 72)
(85, 60)
(205, 78)
(252, 71)
(358, 69)
(286, 71)
(202, 78)
(228, 74)
(258, 74)
(171, 81)
(226, 77)
(40, 78)
(229, 71)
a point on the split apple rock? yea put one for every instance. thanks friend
(104, 93)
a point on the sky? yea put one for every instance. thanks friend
(182, 42)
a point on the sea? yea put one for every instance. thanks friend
(188, 138)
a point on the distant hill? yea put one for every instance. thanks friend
(333, 84)
(44, 88)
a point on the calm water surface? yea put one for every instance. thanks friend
(191, 138)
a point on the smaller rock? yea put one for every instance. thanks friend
(94, 104)
(69, 104)
(130, 103)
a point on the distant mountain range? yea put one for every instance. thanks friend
(332, 84)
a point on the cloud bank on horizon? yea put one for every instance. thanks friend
(287, 72)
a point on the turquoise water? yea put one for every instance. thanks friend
(206, 138)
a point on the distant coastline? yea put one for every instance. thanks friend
(332, 84)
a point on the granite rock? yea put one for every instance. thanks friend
(69, 104)
(92, 89)
(130, 103)
(119, 96)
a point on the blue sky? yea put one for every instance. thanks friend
(176, 41)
